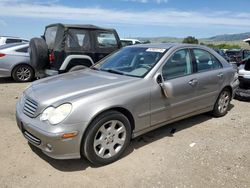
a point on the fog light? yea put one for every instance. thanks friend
(49, 147)
(70, 135)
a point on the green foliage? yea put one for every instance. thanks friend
(190, 40)
(223, 46)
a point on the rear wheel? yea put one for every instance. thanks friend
(23, 73)
(222, 104)
(107, 138)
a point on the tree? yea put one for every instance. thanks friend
(190, 40)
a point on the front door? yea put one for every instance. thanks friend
(179, 84)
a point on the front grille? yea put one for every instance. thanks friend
(30, 107)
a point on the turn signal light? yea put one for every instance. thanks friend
(70, 135)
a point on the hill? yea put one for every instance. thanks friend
(230, 37)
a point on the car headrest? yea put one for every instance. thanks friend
(203, 59)
(176, 57)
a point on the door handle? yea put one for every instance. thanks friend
(193, 82)
(220, 75)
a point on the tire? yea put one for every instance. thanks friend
(76, 68)
(106, 138)
(38, 53)
(23, 73)
(222, 103)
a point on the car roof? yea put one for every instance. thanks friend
(166, 45)
(11, 37)
(79, 26)
(21, 44)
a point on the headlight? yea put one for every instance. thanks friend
(56, 115)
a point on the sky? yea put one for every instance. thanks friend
(131, 18)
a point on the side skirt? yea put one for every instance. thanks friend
(148, 129)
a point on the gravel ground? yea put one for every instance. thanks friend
(201, 151)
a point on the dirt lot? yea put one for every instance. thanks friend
(203, 152)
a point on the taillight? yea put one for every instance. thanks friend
(2, 55)
(51, 57)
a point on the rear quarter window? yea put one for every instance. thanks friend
(78, 39)
(23, 50)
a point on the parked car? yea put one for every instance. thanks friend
(244, 78)
(95, 112)
(15, 62)
(128, 42)
(65, 48)
(237, 55)
(10, 40)
(222, 53)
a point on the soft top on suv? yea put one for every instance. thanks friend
(65, 47)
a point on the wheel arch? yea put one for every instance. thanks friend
(72, 60)
(120, 109)
(230, 89)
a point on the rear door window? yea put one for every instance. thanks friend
(205, 61)
(78, 39)
(106, 40)
(50, 36)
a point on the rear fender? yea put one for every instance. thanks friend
(71, 57)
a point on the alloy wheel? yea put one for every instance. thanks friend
(23, 73)
(224, 101)
(110, 139)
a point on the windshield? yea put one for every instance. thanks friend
(132, 61)
(50, 36)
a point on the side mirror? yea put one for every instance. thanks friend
(160, 81)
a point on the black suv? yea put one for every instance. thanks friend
(65, 48)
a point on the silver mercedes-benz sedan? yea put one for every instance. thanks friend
(95, 112)
(15, 62)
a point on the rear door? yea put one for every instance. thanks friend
(209, 74)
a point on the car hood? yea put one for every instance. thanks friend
(75, 84)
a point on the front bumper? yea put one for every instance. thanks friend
(50, 140)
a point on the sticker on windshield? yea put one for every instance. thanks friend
(159, 50)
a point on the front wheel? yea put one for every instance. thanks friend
(107, 138)
(222, 104)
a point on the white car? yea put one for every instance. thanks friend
(244, 77)
(8, 40)
(128, 42)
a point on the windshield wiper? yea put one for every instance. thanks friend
(113, 71)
